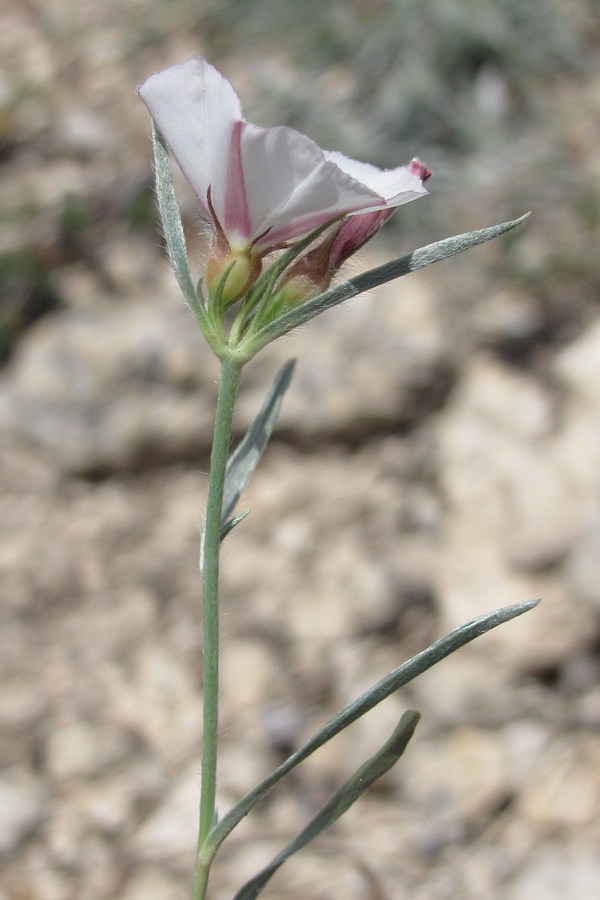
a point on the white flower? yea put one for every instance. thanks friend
(261, 187)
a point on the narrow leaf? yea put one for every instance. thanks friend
(172, 227)
(231, 523)
(340, 802)
(418, 259)
(371, 698)
(246, 456)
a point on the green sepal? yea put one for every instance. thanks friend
(256, 309)
(340, 802)
(217, 305)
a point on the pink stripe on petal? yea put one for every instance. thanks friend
(236, 218)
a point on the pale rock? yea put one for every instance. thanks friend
(244, 762)
(449, 694)
(442, 882)
(67, 375)
(19, 707)
(35, 876)
(338, 387)
(108, 803)
(97, 872)
(462, 776)
(505, 400)
(79, 288)
(65, 830)
(583, 565)
(152, 884)
(525, 741)
(576, 367)
(511, 514)
(499, 470)
(588, 707)
(22, 807)
(27, 48)
(336, 553)
(555, 872)
(127, 263)
(50, 185)
(563, 790)
(509, 320)
(158, 696)
(251, 857)
(249, 670)
(82, 132)
(308, 874)
(170, 832)
(80, 749)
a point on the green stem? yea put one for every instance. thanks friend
(228, 384)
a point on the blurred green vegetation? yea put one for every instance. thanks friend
(413, 65)
(493, 94)
(72, 230)
(139, 210)
(26, 294)
(74, 219)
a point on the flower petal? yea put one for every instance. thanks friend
(261, 186)
(395, 186)
(196, 111)
(291, 186)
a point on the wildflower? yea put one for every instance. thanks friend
(260, 187)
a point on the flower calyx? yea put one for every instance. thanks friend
(230, 273)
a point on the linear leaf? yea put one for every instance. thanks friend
(231, 523)
(246, 456)
(340, 802)
(367, 701)
(418, 259)
(172, 227)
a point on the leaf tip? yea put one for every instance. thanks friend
(522, 218)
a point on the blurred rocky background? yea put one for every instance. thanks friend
(438, 456)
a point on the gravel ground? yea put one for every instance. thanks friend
(437, 457)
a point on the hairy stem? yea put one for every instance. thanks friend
(209, 564)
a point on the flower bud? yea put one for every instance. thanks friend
(308, 275)
(313, 272)
(296, 289)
